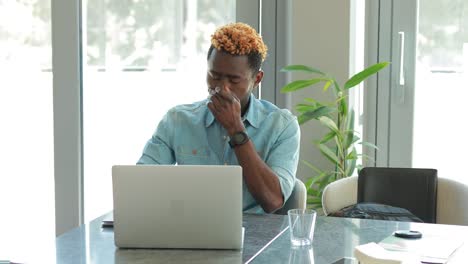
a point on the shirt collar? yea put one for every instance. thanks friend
(251, 116)
(252, 112)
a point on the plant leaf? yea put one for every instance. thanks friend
(351, 166)
(300, 84)
(352, 155)
(368, 144)
(337, 87)
(313, 180)
(308, 164)
(339, 146)
(303, 68)
(350, 124)
(314, 200)
(361, 76)
(327, 180)
(348, 138)
(314, 207)
(327, 137)
(313, 192)
(366, 157)
(349, 133)
(343, 106)
(327, 84)
(305, 107)
(309, 181)
(329, 154)
(314, 114)
(311, 100)
(330, 124)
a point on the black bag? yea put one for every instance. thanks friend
(378, 212)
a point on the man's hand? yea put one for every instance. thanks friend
(226, 108)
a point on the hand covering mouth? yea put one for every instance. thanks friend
(214, 91)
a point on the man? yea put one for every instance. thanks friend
(233, 127)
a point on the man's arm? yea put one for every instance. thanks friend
(158, 149)
(263, 182)
(271, 181)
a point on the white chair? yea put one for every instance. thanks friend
(452, 202)
(339, 194)
(452, 199)
(298, 198)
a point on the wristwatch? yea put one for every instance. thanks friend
(239, 138)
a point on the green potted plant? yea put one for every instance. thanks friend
(338, 145)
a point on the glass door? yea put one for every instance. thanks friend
(421, 109)
(140, 59)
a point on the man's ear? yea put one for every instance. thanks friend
(258, 78)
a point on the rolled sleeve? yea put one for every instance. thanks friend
(284, 157)
(158, 149)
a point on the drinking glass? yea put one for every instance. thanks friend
(301, 226)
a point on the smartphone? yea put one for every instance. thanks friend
(411, 234)
(107, 223)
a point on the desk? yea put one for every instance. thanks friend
(266, 241)
(335, 238)
(92, 244)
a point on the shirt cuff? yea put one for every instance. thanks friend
(286, 181)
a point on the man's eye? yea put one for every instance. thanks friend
(215, 76)
(235, 80)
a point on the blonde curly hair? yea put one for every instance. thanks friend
(239, 39)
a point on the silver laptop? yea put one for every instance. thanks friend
(184, 206)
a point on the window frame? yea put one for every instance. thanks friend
(386, 116)
(67, 52)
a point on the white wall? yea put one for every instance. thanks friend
(320, 39)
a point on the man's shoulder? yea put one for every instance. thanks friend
(187, 114)
(267, 110)
(191, 109)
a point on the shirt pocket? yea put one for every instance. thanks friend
(195, 155)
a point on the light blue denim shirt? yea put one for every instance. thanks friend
(189, 134)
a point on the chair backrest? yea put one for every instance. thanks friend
(297, 200)
(452, 202)
(409, 188)
(339, 194)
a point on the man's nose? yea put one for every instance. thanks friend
(224, 83)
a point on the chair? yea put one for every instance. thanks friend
(409, 188)
(412, 189)
(339, 194)
(452, 202)
(298, 198)
(451, 199)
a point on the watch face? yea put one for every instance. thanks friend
(239, 137)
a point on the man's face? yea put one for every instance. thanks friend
(232, 72)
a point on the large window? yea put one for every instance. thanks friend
(118, 66)
(421, 98)
(26, 135)
(441, 87)
(141, 58)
